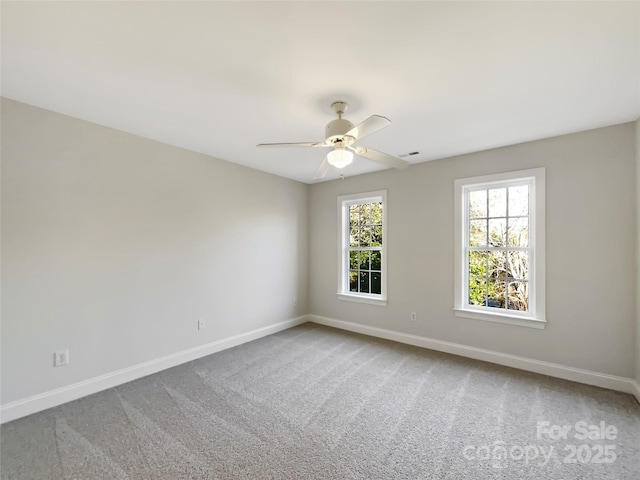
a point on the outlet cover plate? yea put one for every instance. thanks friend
(61, 358)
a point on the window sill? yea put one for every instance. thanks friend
(382, 302)
(501, 318)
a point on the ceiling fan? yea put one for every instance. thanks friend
(340, 135)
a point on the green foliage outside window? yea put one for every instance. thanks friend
(365, 241)
(498, 276)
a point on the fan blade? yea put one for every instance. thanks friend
(369, 126)
(322, 170)
(383, 158)
(295, 144)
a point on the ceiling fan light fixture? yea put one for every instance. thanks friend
(340, 157)
(340, 135)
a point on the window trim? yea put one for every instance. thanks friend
(536, 318)
(344, 201)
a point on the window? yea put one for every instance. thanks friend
(362, 247)
(500, 248)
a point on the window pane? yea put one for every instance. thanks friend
(353, 260)
(478, 204)
(376, 213)
(365, 210)
(478, 233)
(477, 291)
(376, 238)
(478, 264)
(354, 236)
(518, 296)
(376, 282)
(364, 282)
(496, 295)
(497, 232)
(519, 200)
(376, 260)
(354, 214)
(518, 232)
(364, 260)
(498, 202)
(497, 265)
(353, 281)
(518, 265)
(365, 237)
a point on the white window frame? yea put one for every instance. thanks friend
(344, 202)
(535, 317)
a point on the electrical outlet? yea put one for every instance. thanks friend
(414, 316)
(61, 358)
(201, 324)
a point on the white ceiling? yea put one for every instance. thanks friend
(221, 77)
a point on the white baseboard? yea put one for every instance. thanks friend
(603, 380)
(53, 398)
(636, 389)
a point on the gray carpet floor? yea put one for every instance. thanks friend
(318, 403)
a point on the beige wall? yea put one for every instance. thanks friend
(590, 246)
(113, 246)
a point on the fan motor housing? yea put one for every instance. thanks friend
(336, 129)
